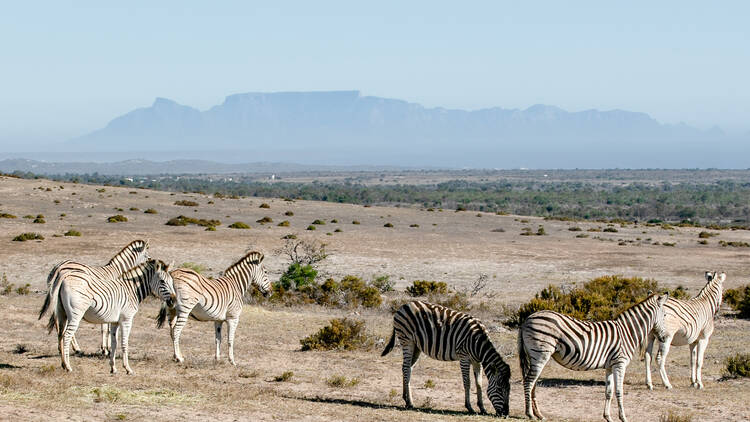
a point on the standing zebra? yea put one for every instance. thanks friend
(688, 322)
(583, 345)
(218, 300)
(135, 253)
(449, 335)
(102, 301)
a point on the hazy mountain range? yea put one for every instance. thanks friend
(344, 127)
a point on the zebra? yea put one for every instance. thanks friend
(218, 300)
(449, 335)
(583, 345)
(135, 253)
(688, 322)
(101, 301)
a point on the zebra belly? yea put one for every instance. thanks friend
(202, 314)
(577, 365)
(95, 316)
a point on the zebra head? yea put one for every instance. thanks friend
(260, 274)
(160, 282)
(659, 327)
(498, 388)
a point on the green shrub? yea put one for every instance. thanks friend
(28, 236)
(734, 244)
(334, 221)
(150, 211)
(582, 236)
(429, 384)
(340, 381)
(311, 227)
(739, 300)
(285, 376)
(703, 242)
(679, 292)
(238, 225)
(5, 286)
(184, 221)
(6, 215)
(575, 229)
(289, 236)
(599, 299)
(357, 292)
(338, 231)
(610, 230)
(28, 216)
(355, 222)
(738, 365)
(289, 213)
(198, 268)
(297, 275)
(265, 220)
(319, 222)
(340, 334)
(672, 416)
(186, 203)
(383, 283)
(284, 223)
(24, 290)
(387, 225)
(210, 229)
(706, 235)
(414, 225)
(424, 287)
(72, 232)
(119, 218)
(264, 205)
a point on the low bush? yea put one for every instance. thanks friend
(5, 286)
(338, 231)
(119, 218)
(610, 230)
(264, 205)
(28, 216)
(296, 276)
(184, 221)
(339, 334)
(284, 223)
(340, 381)
(285, 376)
(673, 416)
(383, 283)
(414, 225)
(724, 244)
(575, 229)
(289, 237)
(334, 221)
(39, 220)
(198, 268)
(582, 236)
(355, 222)
(738, 365)
(424, 287)
(150, 211)
(24, 290)
(311, 227)
(319, 222)
(264, 220)
(72, 232)
(388, 225)
(289, 213)
(739, 300)
(706, 235)
(599, 299)
(238, 225)
(6, 215)
(186, 203)
(28, 236)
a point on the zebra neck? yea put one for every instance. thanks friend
(122, 262)
(482, 350)
(711, 294)
(137, 282)
(238, 281)
(636, 323)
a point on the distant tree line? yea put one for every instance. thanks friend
(722, 201)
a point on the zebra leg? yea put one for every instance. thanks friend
(647, 359)
(62, 322)
(104, 349)
(465, 365)
(112, 347)
(70, 330)
(125, 327)
(75, 346)
(536, 366)
(217, 330)
(693, 363)
(619, 373)
(411, 354)
(661, 360)
(180, 321)
(231, 329)
(702, 344)
(609, 387)
(478, 380)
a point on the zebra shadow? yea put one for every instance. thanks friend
(96, 355)
(371, 405)
(568, 382)
(9, 366)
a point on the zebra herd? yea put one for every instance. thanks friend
(111, 295)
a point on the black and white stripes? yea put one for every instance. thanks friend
(449, 335)
(218, 300)
(582, 345)
(688, 322)
(100, 301)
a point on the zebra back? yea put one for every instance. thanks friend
(693, 314)
(248, 270)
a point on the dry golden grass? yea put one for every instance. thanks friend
(450, 247)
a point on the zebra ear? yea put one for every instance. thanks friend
(710, 275)
(722, 277)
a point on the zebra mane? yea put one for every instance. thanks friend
(630, 308)
(134, 245)
(155, 263)
(716, 279)
(253, 257)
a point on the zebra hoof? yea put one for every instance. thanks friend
(113, 371)
(650, 387)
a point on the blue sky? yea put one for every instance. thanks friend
(69, 67)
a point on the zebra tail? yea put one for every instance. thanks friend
(390, 344)
(523, 356)
(162, 315)
(52, 286)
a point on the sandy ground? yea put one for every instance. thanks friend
(447, 246)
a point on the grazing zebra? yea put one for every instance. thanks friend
(135, 253)
(449, 335)
(583, 345)
(688, 322)
(102, 301)
(218, 300)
